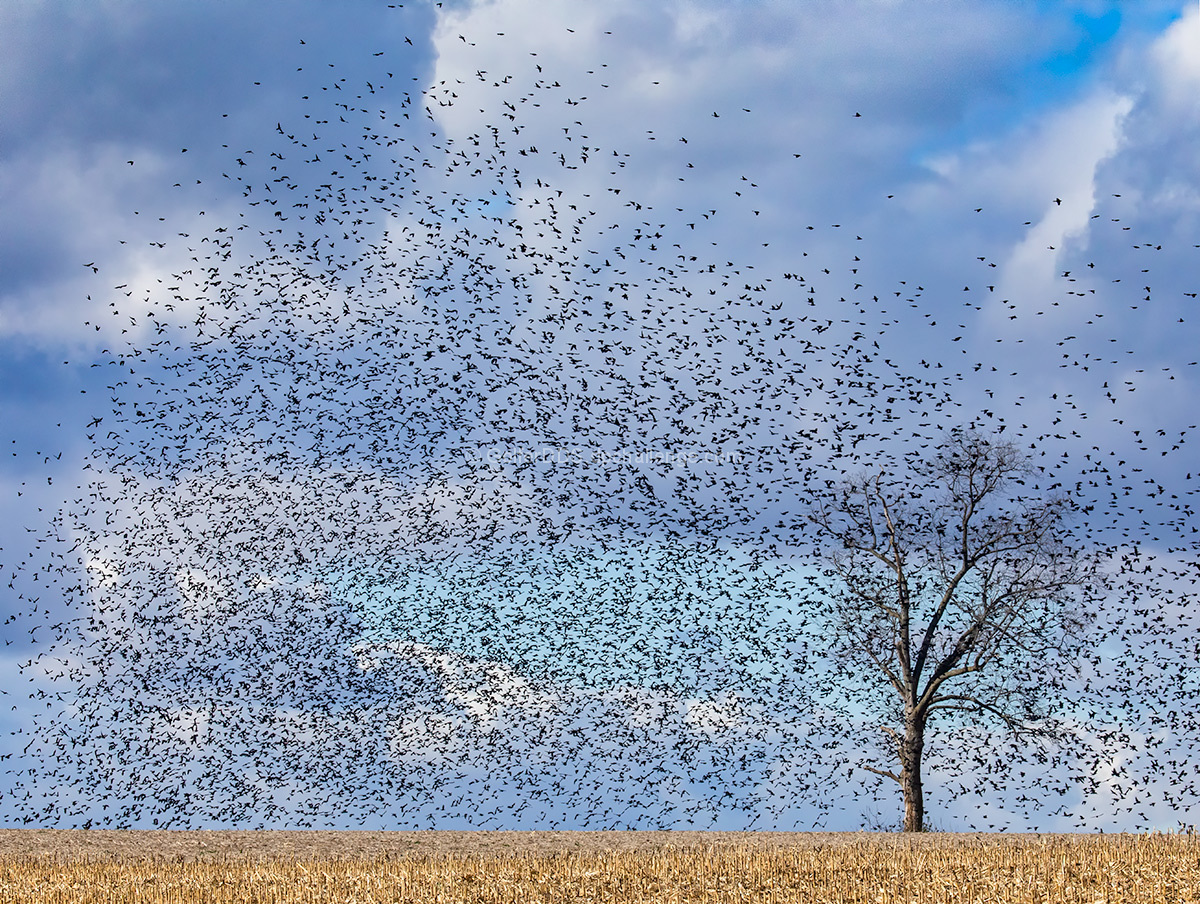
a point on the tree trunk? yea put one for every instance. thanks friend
(914, 794)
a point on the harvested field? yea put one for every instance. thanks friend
(49, 867)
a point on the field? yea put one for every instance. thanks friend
(158, 867)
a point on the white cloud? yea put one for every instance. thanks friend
(1055, 169)
(486, 689)
(89, 227)
(1178, 63)
(499, 699)
(716, 715)
(104, 572)
(802, 70)
(1156, 163)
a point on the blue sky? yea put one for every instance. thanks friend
(1000, 198)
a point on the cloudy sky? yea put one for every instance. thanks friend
(990, 209)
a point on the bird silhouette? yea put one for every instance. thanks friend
(451, 480)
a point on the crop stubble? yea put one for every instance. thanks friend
(157, 867)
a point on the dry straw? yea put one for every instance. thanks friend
(887, 870)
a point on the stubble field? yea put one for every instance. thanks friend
(157, 867)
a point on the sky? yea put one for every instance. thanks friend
(810, 233)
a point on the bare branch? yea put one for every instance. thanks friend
(883, 772)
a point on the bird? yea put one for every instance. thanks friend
(454, 476)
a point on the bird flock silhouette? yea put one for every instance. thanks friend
(452, 479)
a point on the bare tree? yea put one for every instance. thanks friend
(957, 593)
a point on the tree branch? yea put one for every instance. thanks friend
(974, 704)
(883, 772)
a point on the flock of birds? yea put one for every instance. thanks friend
(449, 482)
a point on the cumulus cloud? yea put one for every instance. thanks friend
(484, 689)
(1060, 160)
(792, 77)
(1177, 64)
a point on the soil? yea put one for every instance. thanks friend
(103, 844)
